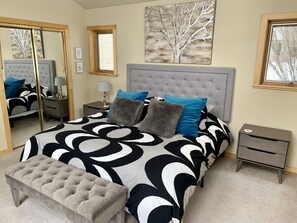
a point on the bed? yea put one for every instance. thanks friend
(24, 102)
(160, 173)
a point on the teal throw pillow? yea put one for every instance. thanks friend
(134, 95)
(188, 123)
(12, 86)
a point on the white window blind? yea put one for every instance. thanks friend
(106, 56)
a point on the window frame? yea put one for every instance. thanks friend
(93, 32)
(267, 22)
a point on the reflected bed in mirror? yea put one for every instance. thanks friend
(25, 102)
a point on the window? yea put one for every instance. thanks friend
(102, 50)
(276, 66)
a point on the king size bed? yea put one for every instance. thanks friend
(160, 173)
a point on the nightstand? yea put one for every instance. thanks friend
(263, 146)
(94, 107)
(55, 107)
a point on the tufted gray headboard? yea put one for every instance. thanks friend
(23, 69)
(214, 83)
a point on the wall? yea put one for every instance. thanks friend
(236, 33)
(65, 12)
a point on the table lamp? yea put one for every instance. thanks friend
(104, 87)
(59, 82)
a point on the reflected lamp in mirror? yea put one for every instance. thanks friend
(59, 82)
(104, 87)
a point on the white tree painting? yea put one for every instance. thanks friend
(282, 59)
(21, 43)
(180, 33)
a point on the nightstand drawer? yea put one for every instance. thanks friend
(271, 159)
(51, 103)
(51, 110)
(269, 145)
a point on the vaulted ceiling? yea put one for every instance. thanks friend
(91, 4)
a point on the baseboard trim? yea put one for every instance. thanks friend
(230, 155)
(288, 169)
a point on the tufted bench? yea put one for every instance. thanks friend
(82, 196)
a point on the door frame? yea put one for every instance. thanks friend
(21, 23)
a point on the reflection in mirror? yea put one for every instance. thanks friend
(18, 64)
(282, 56)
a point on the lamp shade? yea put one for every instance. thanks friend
(104, 86)
(60, 81)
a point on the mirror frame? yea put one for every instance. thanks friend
(268, 20)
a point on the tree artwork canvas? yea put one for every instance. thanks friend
(21, 43)
(180, 33)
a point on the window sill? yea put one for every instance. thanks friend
(274, 87)
(113, 74)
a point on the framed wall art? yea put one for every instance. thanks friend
(21, 43)
(78, 53)
(79, 67)
(180, 33)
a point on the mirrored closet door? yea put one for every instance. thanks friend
(34, 74)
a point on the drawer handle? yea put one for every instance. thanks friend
(259, 137)
(51, 107)
(260, 150)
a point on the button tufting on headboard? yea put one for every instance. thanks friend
(214, 83)
(23, 69)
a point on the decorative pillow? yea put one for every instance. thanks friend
(12, 86)
(140, 96)
(44, 91)
(162, 118)
(125, 111)
(188, 123)
(134, 95)
(146, 105)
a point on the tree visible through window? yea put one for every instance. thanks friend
(276, 66)
(282, 58)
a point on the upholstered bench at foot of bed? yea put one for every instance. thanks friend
(82, 196)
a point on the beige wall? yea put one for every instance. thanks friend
(236, 32)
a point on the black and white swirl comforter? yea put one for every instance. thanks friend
(158, 172)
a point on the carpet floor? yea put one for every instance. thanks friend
(251, 195)
(25, 127)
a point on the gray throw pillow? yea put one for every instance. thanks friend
(125, 111)
(162, 118)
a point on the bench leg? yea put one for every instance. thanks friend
(15, 196)
(121, 217)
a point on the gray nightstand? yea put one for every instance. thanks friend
(263, 146)
(94, 107)
(55, 107)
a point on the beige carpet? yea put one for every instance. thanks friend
(25, 127)
(250, 196)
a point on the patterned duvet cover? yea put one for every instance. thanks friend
(25, 101)
(157, 171)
